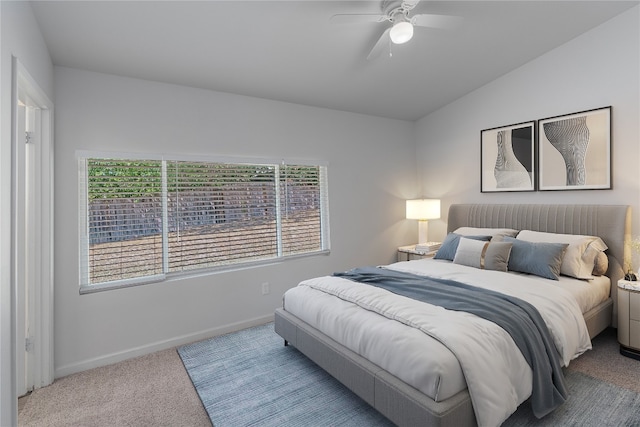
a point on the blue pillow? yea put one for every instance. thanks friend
(450, 245)
(540, 259)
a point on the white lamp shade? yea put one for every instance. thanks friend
(423, 209)
(401, 32)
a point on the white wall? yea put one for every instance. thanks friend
(371, 172)
(597, 69)
(20, 38)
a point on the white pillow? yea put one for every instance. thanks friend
(496, 233)
(580, 257)
(601, 264)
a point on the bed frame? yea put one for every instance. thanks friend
(403, 404)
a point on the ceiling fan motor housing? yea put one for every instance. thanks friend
(390, 6)
(402, 30)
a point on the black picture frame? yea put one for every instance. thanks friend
(574, 151)
(508, 158)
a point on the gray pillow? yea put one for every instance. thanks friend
(450, 245)
(541, 259)
(484, 255)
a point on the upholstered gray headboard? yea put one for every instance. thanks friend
(612, 223)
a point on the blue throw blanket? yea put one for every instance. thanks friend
(519, 318)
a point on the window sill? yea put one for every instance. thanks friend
(120, 284)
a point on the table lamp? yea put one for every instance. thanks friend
(423, 210)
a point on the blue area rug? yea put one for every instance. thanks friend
(249, 378)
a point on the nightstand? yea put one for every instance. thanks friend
(629, 318)
(408, 253)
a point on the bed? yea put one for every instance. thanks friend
(439, 396)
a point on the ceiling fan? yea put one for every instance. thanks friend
(397, 12)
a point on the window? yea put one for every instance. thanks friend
(144, 219)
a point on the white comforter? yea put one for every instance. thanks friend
(437, 350)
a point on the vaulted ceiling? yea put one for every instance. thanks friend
(292, 51)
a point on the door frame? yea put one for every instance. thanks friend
(41, 252)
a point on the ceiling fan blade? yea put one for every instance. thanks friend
(382, 42)
(355, 18)
(444, 22)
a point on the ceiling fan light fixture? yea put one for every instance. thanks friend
(401, 32)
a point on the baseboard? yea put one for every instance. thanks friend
(63, 371)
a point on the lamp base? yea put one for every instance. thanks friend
(423, 231)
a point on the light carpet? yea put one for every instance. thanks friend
(250, 378)
(153, 390)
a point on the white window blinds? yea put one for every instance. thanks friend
(301, 200)
(123, 216)
(144, 219)
(220, 214)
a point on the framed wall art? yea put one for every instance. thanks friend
(575, 151)
(507, 158)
